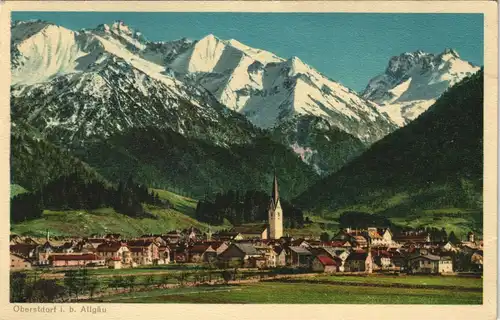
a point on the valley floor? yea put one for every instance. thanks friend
(326, 289)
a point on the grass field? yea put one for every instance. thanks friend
(282, 292)
(105, 220)
(182, 204)
(446, 281)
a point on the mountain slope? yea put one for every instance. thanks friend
(93, 95)
(282, 95)
(167, 160)
(72, 86)
(79, 86)
(435, 162)
(269, 90)
(413, 81)
(35, 162)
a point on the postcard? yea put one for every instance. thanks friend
(251, 160)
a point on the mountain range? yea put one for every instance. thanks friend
(428, 173)
(209, 114)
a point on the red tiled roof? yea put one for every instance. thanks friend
(64, 257)
(326, 261)
(115, 258)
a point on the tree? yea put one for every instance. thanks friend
(164, 279)
(18, 287)
(71, 282)
(444, 235)
(130, 282)
(115, 282)
(453, 238)
(227, 276)
(93, 287)
(47, 290)
(150, 279)
(181, 278)
(324, 236)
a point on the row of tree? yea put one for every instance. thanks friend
(80, 284)
(74, 192)
(244, 207)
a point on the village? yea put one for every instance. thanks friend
(370, 250)
(259, 246)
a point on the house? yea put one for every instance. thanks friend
(280, 256)
(110, 250)
(424, 262)
(359, 261)
(15, 239)
(219, 246)
(76, 260)
(448, 247)
(338, 255)
(115, 263)
(95, 242)
(69, 247)
(338, 244)
(359, 241)
(398, 258)
(251, 231)
(202, 252)
(179, 252)
(381, 259)
(445, 264)
(269, 255)
(422, 237)
(18, 262)
(258, 262)
(191, 234)
(239, 254)
(355, 237)
(299, 257)
(227, 236)
(113, 236)
(164, 255)
(159, 239)
(300, 243)
(172, 237)
(477, 260)
(324, 264)
(25, 250)
(144, 251)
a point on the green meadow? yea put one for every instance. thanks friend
(298, 293)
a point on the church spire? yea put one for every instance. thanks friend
(275, 193)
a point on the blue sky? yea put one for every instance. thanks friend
(348, 47)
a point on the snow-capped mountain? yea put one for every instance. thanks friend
(413, 81)
(112, 78)
(270, 90)
(75, 85)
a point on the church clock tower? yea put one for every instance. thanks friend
(275, 213)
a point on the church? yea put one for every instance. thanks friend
(262, 231)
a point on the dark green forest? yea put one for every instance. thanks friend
(437, 159)
(164, 159)
(244, 207)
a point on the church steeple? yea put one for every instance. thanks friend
(275, 213)
(275, 192)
